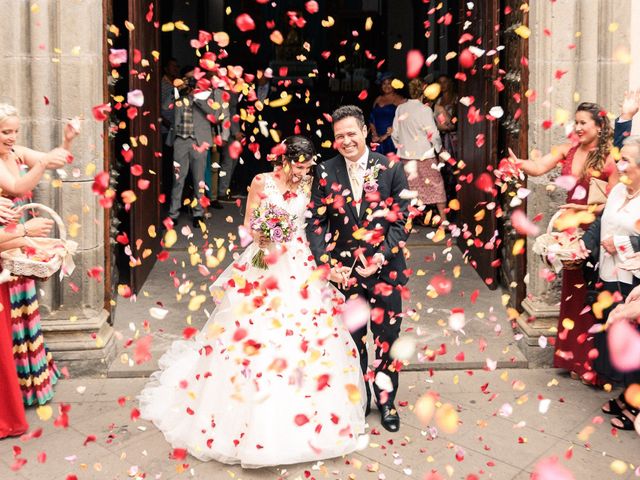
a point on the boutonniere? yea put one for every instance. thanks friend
(371, 179)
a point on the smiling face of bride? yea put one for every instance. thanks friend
(296, 171)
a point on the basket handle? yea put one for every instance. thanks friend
(52, 213)
(553, 219)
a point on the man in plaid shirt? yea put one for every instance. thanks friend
(191, 136)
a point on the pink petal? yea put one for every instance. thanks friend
(624, 346)
(135, 98)
(415, 60)
(245, 23)
(551, 469)
(522, 224)
(566, 182)
(356, 313)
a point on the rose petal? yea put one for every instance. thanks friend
(356, 313)
(624, 346)
(551, 469)
(245, 23)
(566, 182)
(522, 224)
(415, 60)
(135, 98)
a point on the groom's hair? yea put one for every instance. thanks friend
(348, 111)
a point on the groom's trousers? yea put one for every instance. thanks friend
(385, 331)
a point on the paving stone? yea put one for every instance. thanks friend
(65, 454)
(501, 439)
(217, 471)
(582, 462)
(487, 335)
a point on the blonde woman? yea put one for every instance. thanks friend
(21, 169)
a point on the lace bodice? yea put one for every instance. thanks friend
(293, 202)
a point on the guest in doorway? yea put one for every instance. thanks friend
(228, 165)
(170, 71)
(191, 137)
(445, 111)
(383, 113)
(417, 140)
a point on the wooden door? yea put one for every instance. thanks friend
(144, 42)
(138, 23)
(478, 141)
(513, 130)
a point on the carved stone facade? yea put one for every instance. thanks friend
(588, 47)
(51, 69)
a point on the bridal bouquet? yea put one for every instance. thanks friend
(275, 224)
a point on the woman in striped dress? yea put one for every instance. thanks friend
(20, 171)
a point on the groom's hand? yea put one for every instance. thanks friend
(374, 265)
(340, 276)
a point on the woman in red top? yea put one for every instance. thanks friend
(12, 418)
(586, 156)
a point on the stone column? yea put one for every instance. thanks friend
(580, 50)
(52, 69)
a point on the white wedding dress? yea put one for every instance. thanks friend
(273, 378)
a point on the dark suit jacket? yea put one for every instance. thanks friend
(336, 229)
(621, 131)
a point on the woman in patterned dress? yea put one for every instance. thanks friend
(20, 171)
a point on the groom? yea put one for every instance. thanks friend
(357, 229)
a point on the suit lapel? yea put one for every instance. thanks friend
(365, 204)
(343, 178)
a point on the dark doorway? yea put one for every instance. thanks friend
(136, 162)
(322, 67)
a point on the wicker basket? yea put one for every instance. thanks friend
(559, 249)
(17, 262)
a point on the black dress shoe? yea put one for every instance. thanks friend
(389, 417)
(216, 204)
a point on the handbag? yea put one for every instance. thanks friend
(597, 191)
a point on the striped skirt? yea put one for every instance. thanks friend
(36, 370)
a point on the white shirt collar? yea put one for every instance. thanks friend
(362, 161)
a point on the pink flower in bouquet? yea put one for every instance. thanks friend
(277, 235)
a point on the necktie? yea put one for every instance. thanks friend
(356, 183)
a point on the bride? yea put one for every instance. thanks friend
(274, 377)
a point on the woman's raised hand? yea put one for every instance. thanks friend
(513, 158)
(630, 105)
(56, 158)
(71, 131)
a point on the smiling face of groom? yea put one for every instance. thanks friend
(350, 138)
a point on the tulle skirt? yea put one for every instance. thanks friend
(273, 378)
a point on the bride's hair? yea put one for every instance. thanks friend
(298, 149)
